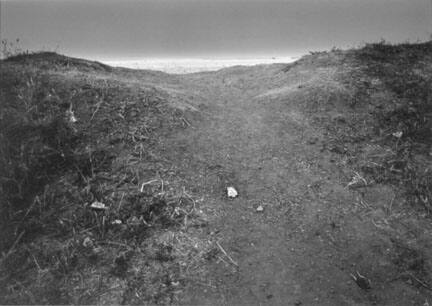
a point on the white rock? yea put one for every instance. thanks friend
(232, 193)
(87, 243)
(71, 116)
(260, 208)
(397, 134)
(98, 206)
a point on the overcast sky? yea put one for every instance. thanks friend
(108, 29)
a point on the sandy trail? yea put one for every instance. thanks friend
(288, 254)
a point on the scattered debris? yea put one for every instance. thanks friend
(210, 254)
(98, 206)
(98, 105)
(147, 183)
(420, 282)
(134, 221)
(226, 254)
(71, 116)
(12, 247)
(357, 181)
(397, 134)
(121, 263)
(185, 122)
(96, 252)
(260, 208)
(362, 281)
(232, 193)
(87, 243)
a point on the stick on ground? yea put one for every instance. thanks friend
(226, 254)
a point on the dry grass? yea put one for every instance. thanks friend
(67, 142)
(379, 113)
(405, 124)
(150, 238)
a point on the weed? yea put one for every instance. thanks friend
(11, 48)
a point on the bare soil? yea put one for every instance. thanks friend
(312, 142)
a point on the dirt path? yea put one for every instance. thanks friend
(312, 234)
(334, 147)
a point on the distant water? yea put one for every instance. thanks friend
(190, 65)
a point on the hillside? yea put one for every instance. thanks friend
(113, 184)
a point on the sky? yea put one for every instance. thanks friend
(131, 29)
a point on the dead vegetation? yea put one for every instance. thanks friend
(374, 106)
(405, 124)
(93, 212)
(83, 190)
(380, 120)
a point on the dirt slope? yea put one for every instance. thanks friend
(336, 148)
(292, 141)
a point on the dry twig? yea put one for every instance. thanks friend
(227, 255)
(147, 183)
(423, 284)
(13, 246)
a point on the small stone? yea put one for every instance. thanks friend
(397, 134)
(260, 208)
(231, 192)
(98, 206)
(134, 221)
(98, 250)
(87, 243)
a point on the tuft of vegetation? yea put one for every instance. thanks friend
(11, 48)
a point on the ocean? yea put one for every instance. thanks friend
(190, 65)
